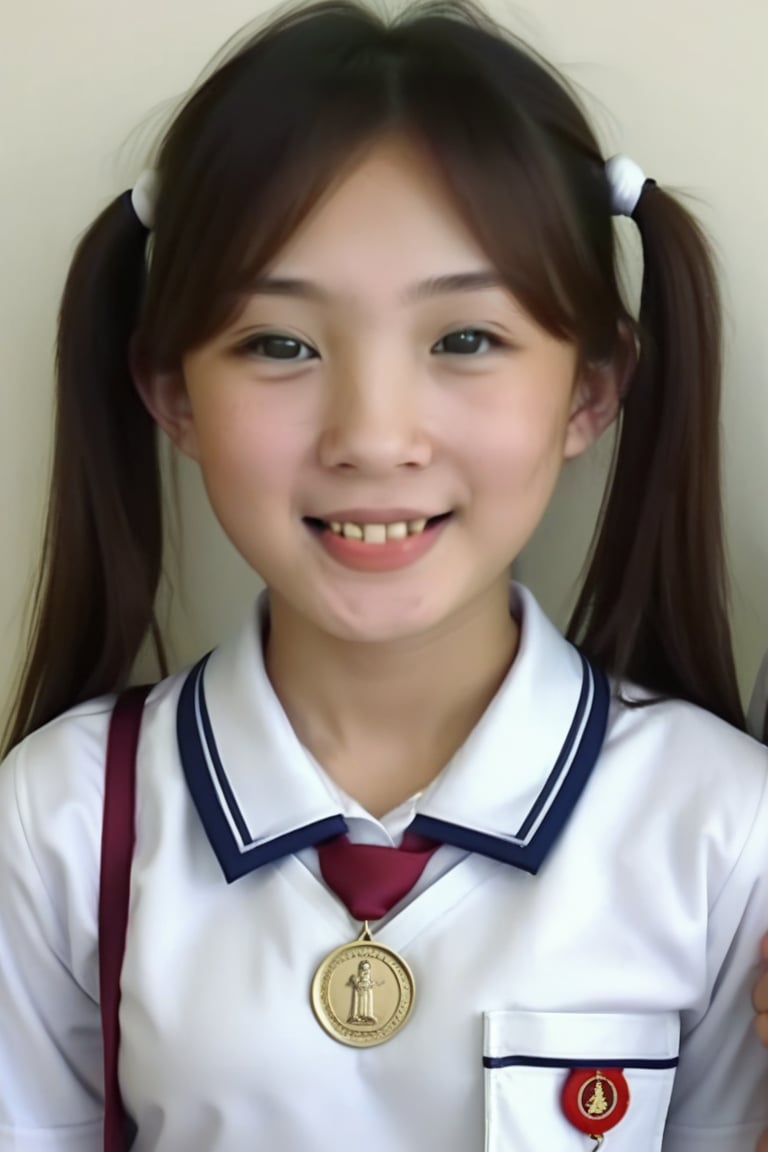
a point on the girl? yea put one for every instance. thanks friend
(379, 308)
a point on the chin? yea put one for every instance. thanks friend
(384, 618)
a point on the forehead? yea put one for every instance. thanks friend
(389, 219)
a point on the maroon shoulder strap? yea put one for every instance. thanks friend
(117, 841)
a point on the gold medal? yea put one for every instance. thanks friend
(363, 992)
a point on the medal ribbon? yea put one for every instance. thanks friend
(371, 878)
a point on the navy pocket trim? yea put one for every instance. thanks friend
(598, 1062)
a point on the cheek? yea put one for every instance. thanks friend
(249, 454)
(518, 443)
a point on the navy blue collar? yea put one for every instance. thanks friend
(507, 794)
(529, 845)
(238, 851)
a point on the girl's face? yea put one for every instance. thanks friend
(380, 377)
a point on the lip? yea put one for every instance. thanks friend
(376, 515)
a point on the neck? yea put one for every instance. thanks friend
(384, 719)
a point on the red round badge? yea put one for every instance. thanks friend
(595, 1100)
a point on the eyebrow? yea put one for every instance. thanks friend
(478, 281)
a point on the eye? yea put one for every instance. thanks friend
(274, 346)
(467, 342)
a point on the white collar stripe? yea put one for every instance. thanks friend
(572, 772)
(236, 850)
(215, 768)
(570, 750)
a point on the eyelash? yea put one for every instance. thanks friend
(250, 346)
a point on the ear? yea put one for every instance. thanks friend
(598, 392)
(165, 397)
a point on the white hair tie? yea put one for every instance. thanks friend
(144, 196)
(626, 181)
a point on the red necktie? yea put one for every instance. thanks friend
(371, 878)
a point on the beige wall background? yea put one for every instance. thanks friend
(680, 85)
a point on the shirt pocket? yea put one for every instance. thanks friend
(529, 1056)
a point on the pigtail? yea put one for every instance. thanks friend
(93, 600)
(653, 607)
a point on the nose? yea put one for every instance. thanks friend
(374, 421)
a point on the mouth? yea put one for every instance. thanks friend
(377, 533)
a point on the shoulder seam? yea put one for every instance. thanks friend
(36, 866)
(761, 801)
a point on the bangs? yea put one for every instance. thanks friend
(277, 129)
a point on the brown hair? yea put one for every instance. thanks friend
(244, 161)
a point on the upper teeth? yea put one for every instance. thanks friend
(378, 533)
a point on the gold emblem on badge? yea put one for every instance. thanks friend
(363, 993)
(597, 1097)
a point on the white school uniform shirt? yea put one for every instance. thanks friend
(592, 905)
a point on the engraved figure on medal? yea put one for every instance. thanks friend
(362, 1010)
